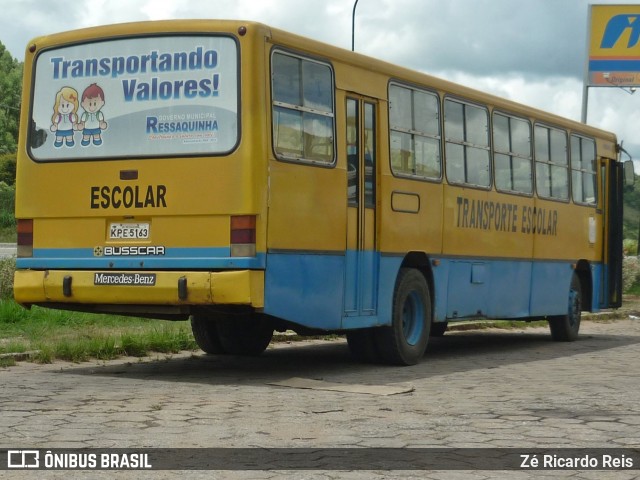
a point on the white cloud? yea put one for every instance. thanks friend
(160, 9)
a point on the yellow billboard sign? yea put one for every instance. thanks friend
(614, 45)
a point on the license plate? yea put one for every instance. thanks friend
(129, 231)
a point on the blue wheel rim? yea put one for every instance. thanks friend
(412, 318)
(574, 307)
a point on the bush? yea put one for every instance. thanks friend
(630, 272)
(629, 246)
(8, 168)
(7, 205)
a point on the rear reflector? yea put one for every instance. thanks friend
(25, 238)
(243, 236)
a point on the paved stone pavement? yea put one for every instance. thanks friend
(484, 388)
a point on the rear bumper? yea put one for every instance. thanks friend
(235, 287)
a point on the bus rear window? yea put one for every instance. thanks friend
(136, 97)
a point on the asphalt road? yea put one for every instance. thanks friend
(7, 250)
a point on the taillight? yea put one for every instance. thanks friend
(25, 238)
(243, 236)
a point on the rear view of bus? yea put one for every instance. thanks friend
(137, 190)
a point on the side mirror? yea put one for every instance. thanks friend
(629, 173)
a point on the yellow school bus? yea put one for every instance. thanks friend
(252, 180)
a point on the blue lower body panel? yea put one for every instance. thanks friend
(307, 289)
(314, 290)
(500, 288)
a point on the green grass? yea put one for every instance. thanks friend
(8, 234)
(79, 337)
(634, 290)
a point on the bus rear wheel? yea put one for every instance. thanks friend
(232, 334)
(405, 341)
(362, 344)
(245, 335)
(565, 328)
(205, 331)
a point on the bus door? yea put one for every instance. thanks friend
(612, 185)
(361, 264)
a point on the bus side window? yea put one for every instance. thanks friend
(552, 176)
(353, 148)
(512, 154)
(466, 130)
(303, 112)
(583, 170)
(414, 130)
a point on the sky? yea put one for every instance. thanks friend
(532, 52)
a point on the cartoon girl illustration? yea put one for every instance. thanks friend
(64, 116)
(92, 120)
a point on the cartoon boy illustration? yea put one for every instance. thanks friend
(92, 120)
(64, 116)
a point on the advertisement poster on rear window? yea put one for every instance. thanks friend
(136, 97)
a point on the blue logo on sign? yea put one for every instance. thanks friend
(617, 26)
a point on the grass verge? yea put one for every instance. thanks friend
(78, 337)
(8, 234)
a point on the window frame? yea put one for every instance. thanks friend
(465, 144)
(512, 154)
(549, 162)
(582, 171)
(413, 132)
(276, 50)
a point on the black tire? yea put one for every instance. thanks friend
(205, 331)
(565, 328)
(405, 341)
(362, 344)
(438, 329)
(246, 334)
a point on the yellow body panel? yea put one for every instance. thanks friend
(481, 223)
(307, 208)
(412, 216)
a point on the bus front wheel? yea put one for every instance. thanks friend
(564, 328)
(405, 341)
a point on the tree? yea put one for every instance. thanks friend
(10, 95)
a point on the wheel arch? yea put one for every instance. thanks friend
(584, 272)
(422, 262)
